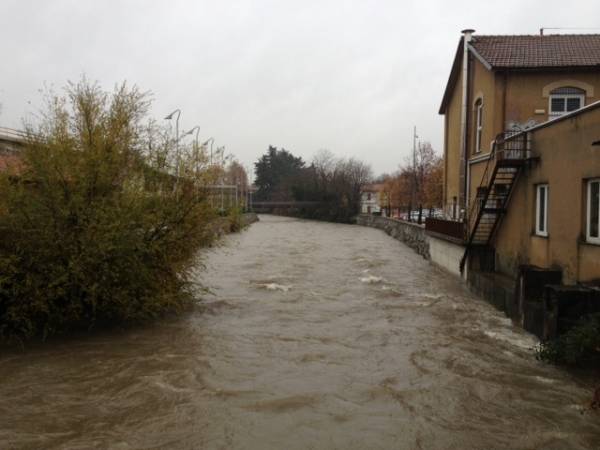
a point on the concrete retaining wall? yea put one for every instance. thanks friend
(443, 252)
(411, 234)
(446, 254)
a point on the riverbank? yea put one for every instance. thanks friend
(135, 307)
(225, 225)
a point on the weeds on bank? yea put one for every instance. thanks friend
(578, 346)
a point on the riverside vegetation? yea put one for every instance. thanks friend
(578, 346)
(332, 185)
(102, 217)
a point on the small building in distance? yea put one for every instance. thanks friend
(372, 199)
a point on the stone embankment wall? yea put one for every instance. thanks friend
(249, 218)
(411, 234)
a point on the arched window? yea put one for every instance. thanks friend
(478, 124)
(565, 99)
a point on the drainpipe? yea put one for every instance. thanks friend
(467, 34)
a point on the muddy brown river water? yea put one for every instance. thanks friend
(315, 336)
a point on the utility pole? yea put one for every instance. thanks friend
(413, 193)
(415, 137)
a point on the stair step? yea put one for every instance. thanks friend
(494, 210)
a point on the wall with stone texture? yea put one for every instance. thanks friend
(410, 234)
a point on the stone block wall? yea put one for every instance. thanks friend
(410, 234)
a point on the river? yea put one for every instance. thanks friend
(313, 336)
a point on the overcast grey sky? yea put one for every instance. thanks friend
(349, 76)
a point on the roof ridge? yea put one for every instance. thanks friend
(537, 35)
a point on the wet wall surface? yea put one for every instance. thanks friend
(314, 336)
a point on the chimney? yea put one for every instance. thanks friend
(468, 34)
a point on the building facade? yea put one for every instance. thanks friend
(508, 83)
(552, 219)
(372, 199)
(522, 175)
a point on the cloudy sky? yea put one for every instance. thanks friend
(350, 76)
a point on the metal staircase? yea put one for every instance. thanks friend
(508, 155)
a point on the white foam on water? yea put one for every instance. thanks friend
(577, 407)
(524, 342)
(417, 303)
(544, 379)
(371, 279)
(275, 287)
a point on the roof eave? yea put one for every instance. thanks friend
(454, 72)
(545, 68)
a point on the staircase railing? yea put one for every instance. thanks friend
(504, 147)
(507, 146)
(477, 204)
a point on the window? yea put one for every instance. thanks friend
(566, 99)
(368, 196)
(541, 210)
(478, 124)
(593, 211)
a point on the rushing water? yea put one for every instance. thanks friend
(315, 336)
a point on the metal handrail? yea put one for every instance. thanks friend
(499, 151)
(485, 180)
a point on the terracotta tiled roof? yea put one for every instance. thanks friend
(528, 52)
(554, 50)
(10, 162)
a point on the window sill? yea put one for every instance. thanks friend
(583, 241)
(542, 236)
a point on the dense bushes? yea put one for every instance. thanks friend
(578, 346)
(96, 228)
(328, 189)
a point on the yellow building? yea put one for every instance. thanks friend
(522, 155)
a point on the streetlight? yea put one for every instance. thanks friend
(197, 128)
(188, 133)
(169, 117)
(212, 141)
(222, 151)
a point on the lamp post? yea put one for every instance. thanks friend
(222, 151)
(197, 128)
(169, 117)
(212, 141)
(187, 133)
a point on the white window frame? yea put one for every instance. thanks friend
(539, 231)
(478, 124)
(566, 97)
(588, 237)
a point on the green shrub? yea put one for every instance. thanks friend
(578, 346)
(96, 229)
(235, 217)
